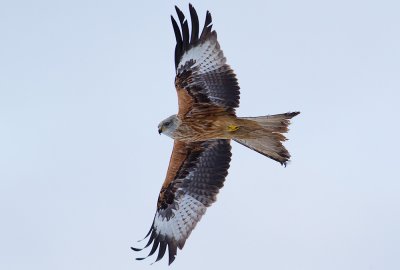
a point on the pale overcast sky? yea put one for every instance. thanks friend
(84, 84)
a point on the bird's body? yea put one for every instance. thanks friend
(191, 128)
(202, 130)
(219, 125)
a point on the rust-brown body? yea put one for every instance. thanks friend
(201, 122)
(221, 126)
(204, 121)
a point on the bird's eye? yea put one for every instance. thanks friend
(167, 124)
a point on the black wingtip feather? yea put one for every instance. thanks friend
(178, 11)
(171, 260)
(153, 249)
(177, 31)
(184, 28)
(161, 250)
(155, 246)
(195, 24)
(152, 237)
(150, 230)
(208, 20)
(172, 249)
(179, 43)
(207, 26)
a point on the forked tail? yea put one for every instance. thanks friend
(263, 134)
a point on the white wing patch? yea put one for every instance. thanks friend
(186, 215)
(207, 56)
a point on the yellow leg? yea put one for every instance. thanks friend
(232, 128)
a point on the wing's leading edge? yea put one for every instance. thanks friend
(183, 199)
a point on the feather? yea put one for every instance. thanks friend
(202, 162)
(195, 25)
(207, 26)
(185, 28)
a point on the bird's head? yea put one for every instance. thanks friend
(168, 126)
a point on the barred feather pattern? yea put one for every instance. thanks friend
(194, 188)
(201, 67)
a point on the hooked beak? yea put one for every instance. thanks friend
(160, 130)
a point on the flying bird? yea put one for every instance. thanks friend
(208, 94)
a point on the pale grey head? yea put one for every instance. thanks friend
(169, 125)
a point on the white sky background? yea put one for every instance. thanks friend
(83, 85)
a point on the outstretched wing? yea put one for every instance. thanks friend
(202, 75)
(195, 175)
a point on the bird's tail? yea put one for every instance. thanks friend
(264, 134)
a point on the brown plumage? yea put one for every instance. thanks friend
(208, 94)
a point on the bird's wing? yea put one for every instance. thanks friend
(195, 175)
(202, 75)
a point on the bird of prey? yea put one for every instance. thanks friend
(208, 94)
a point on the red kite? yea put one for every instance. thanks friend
(208, 93)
